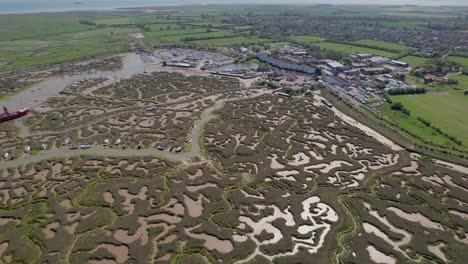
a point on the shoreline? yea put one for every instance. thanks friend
(136, 7)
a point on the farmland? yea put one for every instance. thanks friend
(306, 39)
(381, 45)
(231, 41)
(447, 110)
(414, 61)
(351, 49)
(460, 60)
(402, 25)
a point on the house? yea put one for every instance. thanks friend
(358, 65)
(353, 72)
(428, 79)
(373, 71)
(335, 65)
(243, 50)
(377, 60)
(299, 53)
(285, 65)
(363, 56)
(399, 63)
(381, 79)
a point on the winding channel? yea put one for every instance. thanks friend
(133, 64)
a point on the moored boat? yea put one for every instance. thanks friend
(6, 116)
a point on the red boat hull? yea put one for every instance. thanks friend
(9, 116)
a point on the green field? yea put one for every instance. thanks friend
(175, 32)
(63, 47)
(278, 44)
(444, 110)
(381, 45)
(351, 49)
(418, 82)
(16, 27)
(210, 24)
(415, 61)
(194, 36)
(231, 41)
(306, 39)
(460, 60)
(462, 80)
(153, 19)
(418, 11)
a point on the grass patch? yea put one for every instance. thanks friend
(460, 60)
(26, 26)
(231, 41)
(381, 45)
(419, 83)
(415, 61)
(151, 19)
(306, 39)
(351, 49)
(191, 37)
(66, 47)
(444, 110)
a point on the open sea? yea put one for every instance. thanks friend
(35, 6)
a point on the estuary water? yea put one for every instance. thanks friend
(36, 6)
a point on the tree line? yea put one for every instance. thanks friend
(403, 91)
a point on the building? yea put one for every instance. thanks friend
(428, 79)
(399, 63)
(373, 71)
(285, 65)
(299, 53)
(358, 65)
(363, 56)
(353, 72)
(381, 79)
(377, 60)
(335, 65)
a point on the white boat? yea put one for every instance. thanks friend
(85, 146)
(43, 146)
(27, 149)
(118, 141)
